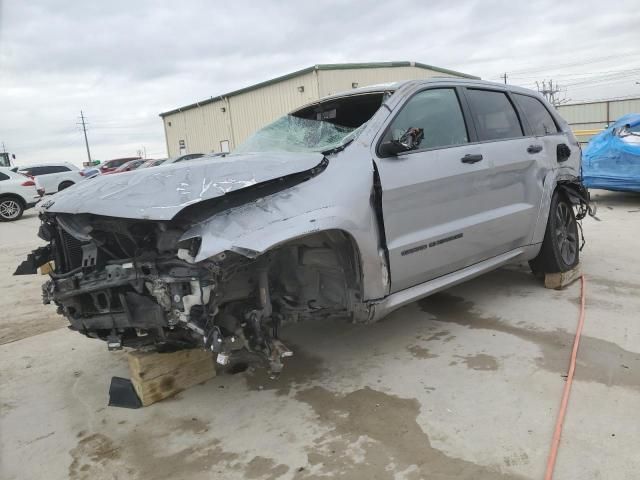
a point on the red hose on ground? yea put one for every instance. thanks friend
(551, 462)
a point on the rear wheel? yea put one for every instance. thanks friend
(64, 185)
(10, 209)
(560, 250)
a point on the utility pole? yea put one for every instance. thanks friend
(84, 130)
(4, 149)
(504, 77)
(549, 91)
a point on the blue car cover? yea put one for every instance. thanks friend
(611, 161)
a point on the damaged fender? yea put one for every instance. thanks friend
(267, 222)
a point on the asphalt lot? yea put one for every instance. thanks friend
(465, 384)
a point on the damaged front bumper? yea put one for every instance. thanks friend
(128, 284)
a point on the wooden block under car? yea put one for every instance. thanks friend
(156, 376)
(560, 280)
(47, 268)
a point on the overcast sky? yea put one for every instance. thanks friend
(123, 62)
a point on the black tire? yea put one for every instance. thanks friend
(11, 208)
(64, 185)
(560, 250)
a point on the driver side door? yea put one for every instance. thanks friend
(434, 196)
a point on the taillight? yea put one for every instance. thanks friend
(28, 183)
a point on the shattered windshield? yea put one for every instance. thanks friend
(295, 134)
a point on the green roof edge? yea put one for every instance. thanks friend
(325, 66)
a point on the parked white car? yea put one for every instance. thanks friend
(17, 194)
(54, 177)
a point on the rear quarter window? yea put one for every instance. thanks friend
(538, 117)
(31, 171)
(45, 170)
(115, 163)
(3, 177)
(494, 115)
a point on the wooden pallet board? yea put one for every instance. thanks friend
(560, 280)
(156, 376)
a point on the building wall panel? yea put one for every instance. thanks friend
(584, 113)
(201, 128)
(619, 108)
(337, 81)
(254, 109)
(596, 115)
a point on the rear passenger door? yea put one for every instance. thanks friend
(517, 163)
(57, 174)
(51, 176)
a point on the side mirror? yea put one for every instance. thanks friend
(392, 148)
(410, 140)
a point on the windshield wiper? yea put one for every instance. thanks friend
(339, 148)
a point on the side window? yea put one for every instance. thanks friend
(437, 112)
(537, 115)
(493, 114)
(3, 176)
(58, 169)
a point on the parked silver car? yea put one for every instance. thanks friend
(351, 206)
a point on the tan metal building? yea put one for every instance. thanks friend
(220, 123)
(588, 118)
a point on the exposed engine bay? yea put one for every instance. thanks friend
(130, 284)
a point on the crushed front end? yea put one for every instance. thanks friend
(129, 283)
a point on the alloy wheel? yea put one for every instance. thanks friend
(566, 233)
(9, 209)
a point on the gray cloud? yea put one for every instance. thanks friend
(123, 62)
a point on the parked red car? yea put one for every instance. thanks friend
(111, 165)
(126, 167)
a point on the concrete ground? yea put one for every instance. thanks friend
(465, 384)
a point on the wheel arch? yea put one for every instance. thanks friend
(15, 196)
(65, 184)
(317, 271)
(339, 241)
(571, 187)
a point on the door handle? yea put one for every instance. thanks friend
(534, 149)
(469, 158)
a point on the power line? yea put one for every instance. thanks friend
(602, 84)
(605, 99)
(546, 68)
(606, 78)
(574, 75)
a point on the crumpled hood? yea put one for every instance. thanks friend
(159, 193)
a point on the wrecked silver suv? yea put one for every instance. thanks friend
(352, 206)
